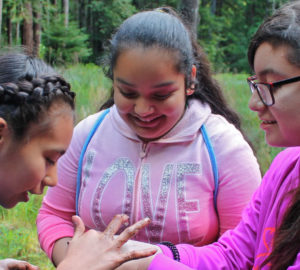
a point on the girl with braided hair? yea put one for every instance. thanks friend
(36, 125)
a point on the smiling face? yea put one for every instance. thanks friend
(281, 121)
(149, 92)
(30, 166)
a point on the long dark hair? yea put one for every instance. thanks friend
(164, 29)
(283, 28)
(28, 88)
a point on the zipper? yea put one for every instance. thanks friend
(137, 185)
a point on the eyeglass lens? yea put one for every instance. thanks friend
(263, 92)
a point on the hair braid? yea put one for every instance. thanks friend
(25, 101)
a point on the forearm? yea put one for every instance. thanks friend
(60, 250)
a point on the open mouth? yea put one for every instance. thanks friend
(269, 122)
(146, 122)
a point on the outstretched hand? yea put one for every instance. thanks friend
(95, 250)
(12, 264)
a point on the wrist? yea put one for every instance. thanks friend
(172, 248)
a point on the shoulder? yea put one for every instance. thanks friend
(224, 135)
(284, 172)
(83, 128)
(286, 162)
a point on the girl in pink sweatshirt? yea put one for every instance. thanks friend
(150, 156)
(268, 237)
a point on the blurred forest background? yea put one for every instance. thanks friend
(65, 32)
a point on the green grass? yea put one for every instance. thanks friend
(18, 236)
(91, 87)
(237, 93)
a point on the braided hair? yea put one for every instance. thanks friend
(27, 101)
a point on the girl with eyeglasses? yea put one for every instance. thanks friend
(268, 236)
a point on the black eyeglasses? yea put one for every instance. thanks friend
(265, 90)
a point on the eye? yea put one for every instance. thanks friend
(128, 94)
(49, 161)
(162, 96)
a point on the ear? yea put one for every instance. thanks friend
(191, 89)
(3, 129)
(193, 73)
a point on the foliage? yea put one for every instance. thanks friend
(224, 29)
(64, 44)
(226, 32)
(18, 234)
(91, 86)
(237, 93)
(108, 15)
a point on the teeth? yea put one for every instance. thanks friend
(146, 120)
(269, 122)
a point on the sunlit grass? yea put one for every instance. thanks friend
(91, 86)
(237, 93)
(18, 236)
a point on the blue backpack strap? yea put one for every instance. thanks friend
(213, 162)
(86, 143)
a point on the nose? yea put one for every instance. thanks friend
(143, 107)
(51, 176)
(255, 103)
(50, 179)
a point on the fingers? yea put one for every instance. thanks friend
(115, 225)
(32, 267)
(137, 254)
(131, 231)
(79, 226)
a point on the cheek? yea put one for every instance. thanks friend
(174, 106)
(124, 105)
(34, 172)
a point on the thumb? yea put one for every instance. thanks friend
(79, 227)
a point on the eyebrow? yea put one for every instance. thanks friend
(155, 86)
(269, 71)
(163, 84)
(59, 151)
(124, 82)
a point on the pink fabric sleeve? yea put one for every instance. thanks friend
(58, 207)
(163, 262)
(234, 249)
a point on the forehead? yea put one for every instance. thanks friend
(49, 119)
(272, 59)
(139, 61)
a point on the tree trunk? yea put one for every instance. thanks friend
(9, 31)
(17, 32)
(66, 12)
(28, 29)
(37, 30)
(82, 13)
(219, 7)
(213, 6)
(190, 14)
(1, 5)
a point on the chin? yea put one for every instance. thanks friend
(8, 205)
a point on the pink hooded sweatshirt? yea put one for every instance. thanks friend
(250, 243)
(169, 180)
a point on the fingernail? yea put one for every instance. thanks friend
(146, 219)
(125, 217)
